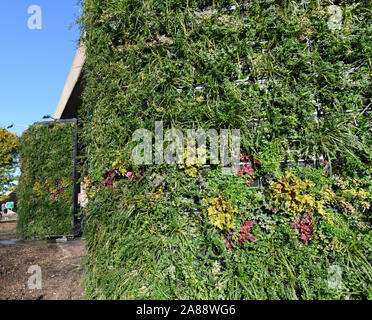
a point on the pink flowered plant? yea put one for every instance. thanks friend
(131, 175)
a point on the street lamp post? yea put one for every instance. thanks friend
(49, 117)
(16, 125)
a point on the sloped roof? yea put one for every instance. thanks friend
(70, 98)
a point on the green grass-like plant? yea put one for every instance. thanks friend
(45, 188)
(272, 69)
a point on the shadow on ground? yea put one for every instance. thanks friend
(60, 265)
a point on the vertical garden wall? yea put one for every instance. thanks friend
(46, 186)
(295, 87)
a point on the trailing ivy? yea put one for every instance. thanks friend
(45, 190)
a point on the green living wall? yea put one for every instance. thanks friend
(279, 73)
(45, 189)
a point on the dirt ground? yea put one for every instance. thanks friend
(60, 265)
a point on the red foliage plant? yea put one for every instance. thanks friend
(247, 167)
(304, 228)
(242, 235)
(109, 179)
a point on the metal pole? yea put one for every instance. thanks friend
(75, 221)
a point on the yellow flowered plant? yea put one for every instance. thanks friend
(37, 188)
(221, 214)
(65, 183)
(154, 198)
(353, 195)
(192, 163)
(297, 197)
(51, 186)
(192, 172)
(119, 166)
(290, 189)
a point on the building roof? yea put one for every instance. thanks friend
(70, 99)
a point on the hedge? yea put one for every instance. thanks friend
(272, 69)
(45, 190)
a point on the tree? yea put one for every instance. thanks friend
(9, 144)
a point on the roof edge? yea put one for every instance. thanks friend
(71, 81)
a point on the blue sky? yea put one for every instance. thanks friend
(34, 64)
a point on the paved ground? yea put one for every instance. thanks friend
(60, 265)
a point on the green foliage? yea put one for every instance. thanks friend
(45, 187)
(151, 237)
(9, 144)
